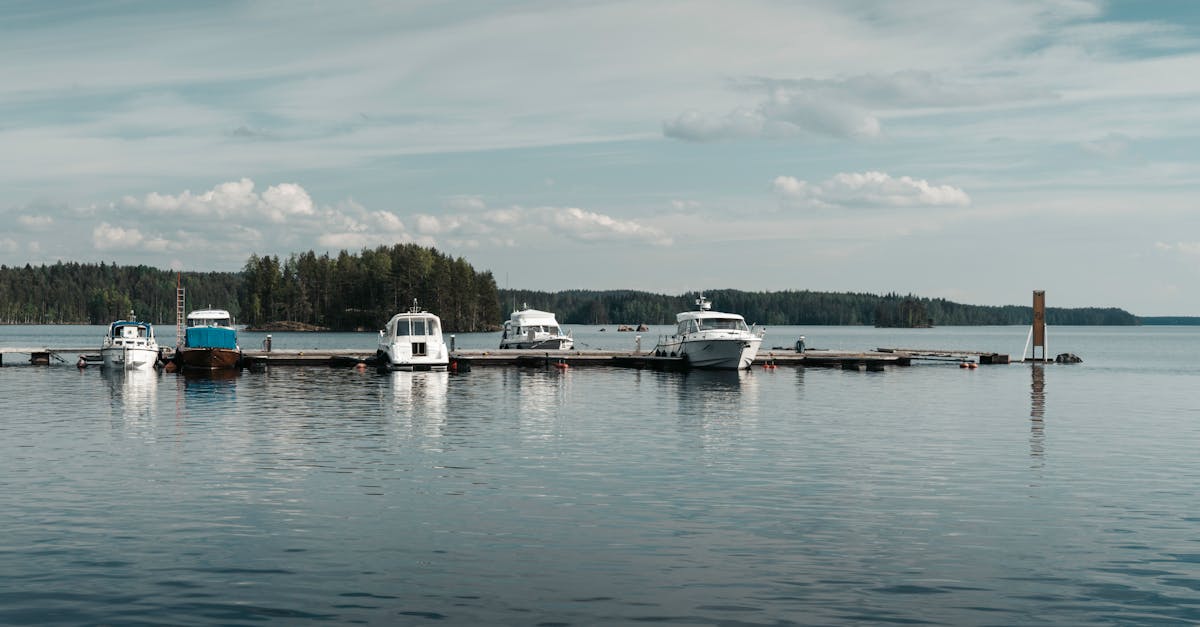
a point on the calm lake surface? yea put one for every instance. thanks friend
(1006, 495)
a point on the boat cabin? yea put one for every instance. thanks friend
(210, 328)
(693, 324)
(210, 318)
(415, 328)
(130, 330)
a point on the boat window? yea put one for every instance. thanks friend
(418, 327)
(402, 327)
(433, 327)
(725, 324)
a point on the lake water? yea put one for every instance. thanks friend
(1006, 495)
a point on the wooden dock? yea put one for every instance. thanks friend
(955, 355)
(41, 355)
(850, 360)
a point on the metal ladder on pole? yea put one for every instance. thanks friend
(179, 314)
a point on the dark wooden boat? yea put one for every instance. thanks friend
(208, 358)
(210, 342)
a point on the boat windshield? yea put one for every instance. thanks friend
(417, 326)
(723, 324)
(209, 322)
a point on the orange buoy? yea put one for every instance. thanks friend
(561, 364)
(963, 364)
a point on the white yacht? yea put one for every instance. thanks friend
(129, 345)
(711, 339)
(530, 328)
(412, 340)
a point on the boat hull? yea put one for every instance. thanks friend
(128, 358)
(714, 354)
(398, 356)
(202, 358)
(549, 344)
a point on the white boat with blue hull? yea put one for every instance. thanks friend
(129, 345)
(532, 329)
(412, 340)
(711, 339)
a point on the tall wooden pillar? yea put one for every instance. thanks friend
(1039, 324)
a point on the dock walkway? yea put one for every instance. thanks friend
(851, 360)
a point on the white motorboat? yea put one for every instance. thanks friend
(711, 339)
(530, 328)
(412, 340)
(129, 345)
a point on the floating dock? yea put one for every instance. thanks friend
(849, 360)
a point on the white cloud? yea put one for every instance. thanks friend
(590, 226)
(507, 227)
(435, 225)
(846, 108)
(354, 241)
(387, 222)
(8, 245)
(697, 126)
(1187, 249)
(108, 237)
(235, 199)
(867, 189)
(35, 222)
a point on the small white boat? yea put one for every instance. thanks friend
(412, 340)
(711, 339)
(129, 345)
(530, 328)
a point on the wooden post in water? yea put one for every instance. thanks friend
(1037, 332)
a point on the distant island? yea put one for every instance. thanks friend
(360, 291)
(285, 326)
(1170, 320)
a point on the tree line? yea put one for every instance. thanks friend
(80, 293)
(798, 307)
(360, 291)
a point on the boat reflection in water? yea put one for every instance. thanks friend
(418, 400)
(716, 405)
(133, 392)
(211, 375)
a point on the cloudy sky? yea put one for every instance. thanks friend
(969, 150)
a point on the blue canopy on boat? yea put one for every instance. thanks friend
(211, 337)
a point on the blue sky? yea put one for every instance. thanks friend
(972, 151)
